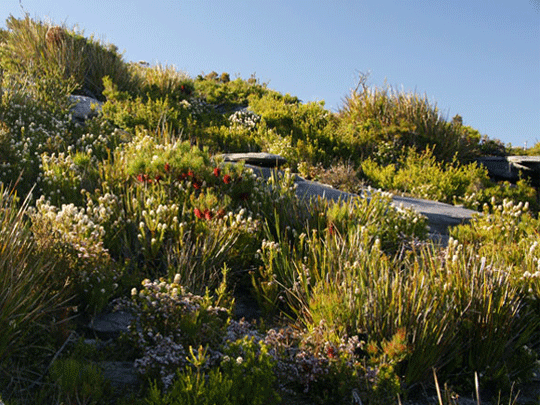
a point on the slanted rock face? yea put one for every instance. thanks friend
(440, 216)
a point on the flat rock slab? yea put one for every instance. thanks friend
(259, 159)
(110, 325)
(440, 216)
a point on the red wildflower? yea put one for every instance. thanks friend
(331, 352)
(140, 178)
(208, 214)
(167, 168)
(190, 173)
(217, 172)
(197, 184)
(331, 228)
(198, 213)
(227, 179)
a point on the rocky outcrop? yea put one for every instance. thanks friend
(440, 216)
(84, 107)
(512, 168)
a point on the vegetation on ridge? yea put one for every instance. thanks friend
(134, 209)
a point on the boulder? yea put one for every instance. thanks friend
(84, 107)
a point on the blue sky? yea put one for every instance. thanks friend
(476, 58)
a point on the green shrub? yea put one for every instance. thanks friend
(61, 55)
(77, 382)
(458, 315)
(228, 93)
(70, 236)
(245, 376)
(295, 260)
(421, 175)
(306, 129)
(160, 82)
(379, 123)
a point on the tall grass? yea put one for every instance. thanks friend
(383, 121)
(44, 52)
(27, 297)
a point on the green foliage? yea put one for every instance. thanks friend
(60, 54)
(27, 296)
(293, 262)
(70, 237)
(227, 93)
(160, 82)
(421, 175)
(458, 313)
(77, 383)
(379, 123)
(245, 376)
(307, 128)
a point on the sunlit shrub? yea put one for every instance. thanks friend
(75, 241)
(228, 93)
(162, 81)
(379, 123)
(421, 175)
(63, 55)
(294, 262)
(27, 130)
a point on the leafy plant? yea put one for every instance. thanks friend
(28, 298)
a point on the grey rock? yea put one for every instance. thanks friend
(256, 158)
(110, 325)
(120, 374)
(440, 216)
(512, 168)
(84, 107)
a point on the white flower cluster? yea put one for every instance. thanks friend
(33, 130)
(69, 222)
(245, 118)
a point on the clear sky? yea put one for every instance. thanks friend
(476, 58)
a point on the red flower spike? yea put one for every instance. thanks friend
(167, 168)
(217, 172)
(208, 214)
(331, 228)
(197, 185)
(331, 352)
(190, 173)
(140, 178)
(227, 179)
(198, 213)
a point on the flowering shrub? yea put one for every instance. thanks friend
(74, 239)
(28, 129)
